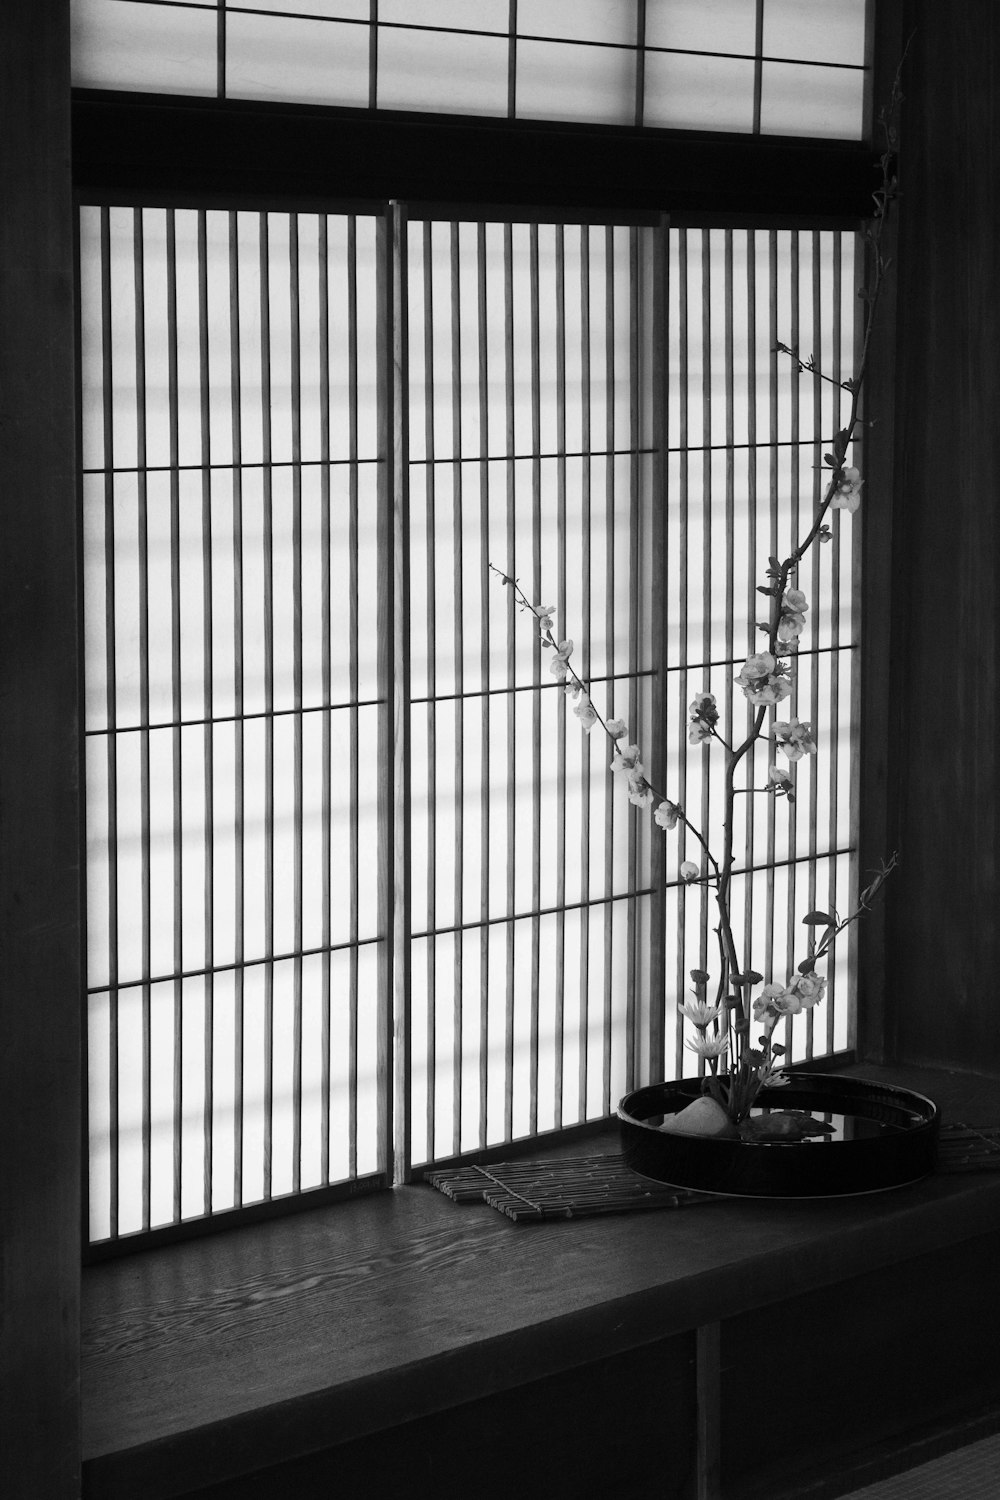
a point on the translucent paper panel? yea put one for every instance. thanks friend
(296, 59)
(128, 44)
(331, 10)
(730, 505)
(612, 21)
(733, 299)
(422, 69)
(815, 30)
(703, 25)
(232, 693)
(797, 99)
(548, 1046)
(524, 344)
(459, 15)
(216, 1091)
(560, 81)
(235, 732)
(688, 91)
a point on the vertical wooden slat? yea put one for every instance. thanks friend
(110, 677)
(536, 736)
(610, 583)
(220, 51)
(813, 595)
(176, 713)
(789, 812)
(485, 683)
(373, 54)
(833, 771)
(144, 784)
(458, 564)
(729, 541)
(239, 860)
(268, 523)
(208, 708)
(660, 999)
(730, 480)
(430, 553)
(560, 805)
(297, 752)
(395, 1020)
(583, 1029)
(512, 60)
(773, 463)
(510, 476)
(752, 561)
(758, 67)
(640, 62)
(632, 1024)
(706, 958)
(683, 592)
(326, 692)
(354, 767)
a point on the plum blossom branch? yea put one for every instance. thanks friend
(766, 680)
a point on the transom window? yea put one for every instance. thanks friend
(772, 67)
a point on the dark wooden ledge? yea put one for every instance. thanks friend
(228, 1355)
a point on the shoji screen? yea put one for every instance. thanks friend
(355, 872)
(530, 450)
(230, 500)
(745, 438)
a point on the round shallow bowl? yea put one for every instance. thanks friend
(883, 1137)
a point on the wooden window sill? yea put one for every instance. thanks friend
(225, 1355)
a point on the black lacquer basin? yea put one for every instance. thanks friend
(882, 1137)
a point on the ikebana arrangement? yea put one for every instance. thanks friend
(734, 1027)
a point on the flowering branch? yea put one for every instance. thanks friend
(766, 679)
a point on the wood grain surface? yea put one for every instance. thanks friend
(284, 1338)
(944, 650)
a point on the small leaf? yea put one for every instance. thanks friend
(775, 562)
(819, 919)
(762, 590)
(807, 965)
(828, 458)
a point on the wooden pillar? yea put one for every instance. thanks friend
(40, 950)
(943, 940)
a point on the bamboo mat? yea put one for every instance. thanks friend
(565, 1187)
(578, 1187)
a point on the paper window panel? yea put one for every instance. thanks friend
(125, 44)
(815, 31)
(807, 100)
(703, 25)
(295, 60)
(689, 91)
(423, 69)
(609, 21)
(458, 15)
(563, 81)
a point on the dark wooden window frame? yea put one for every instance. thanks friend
(133, 144)
(142, 149)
